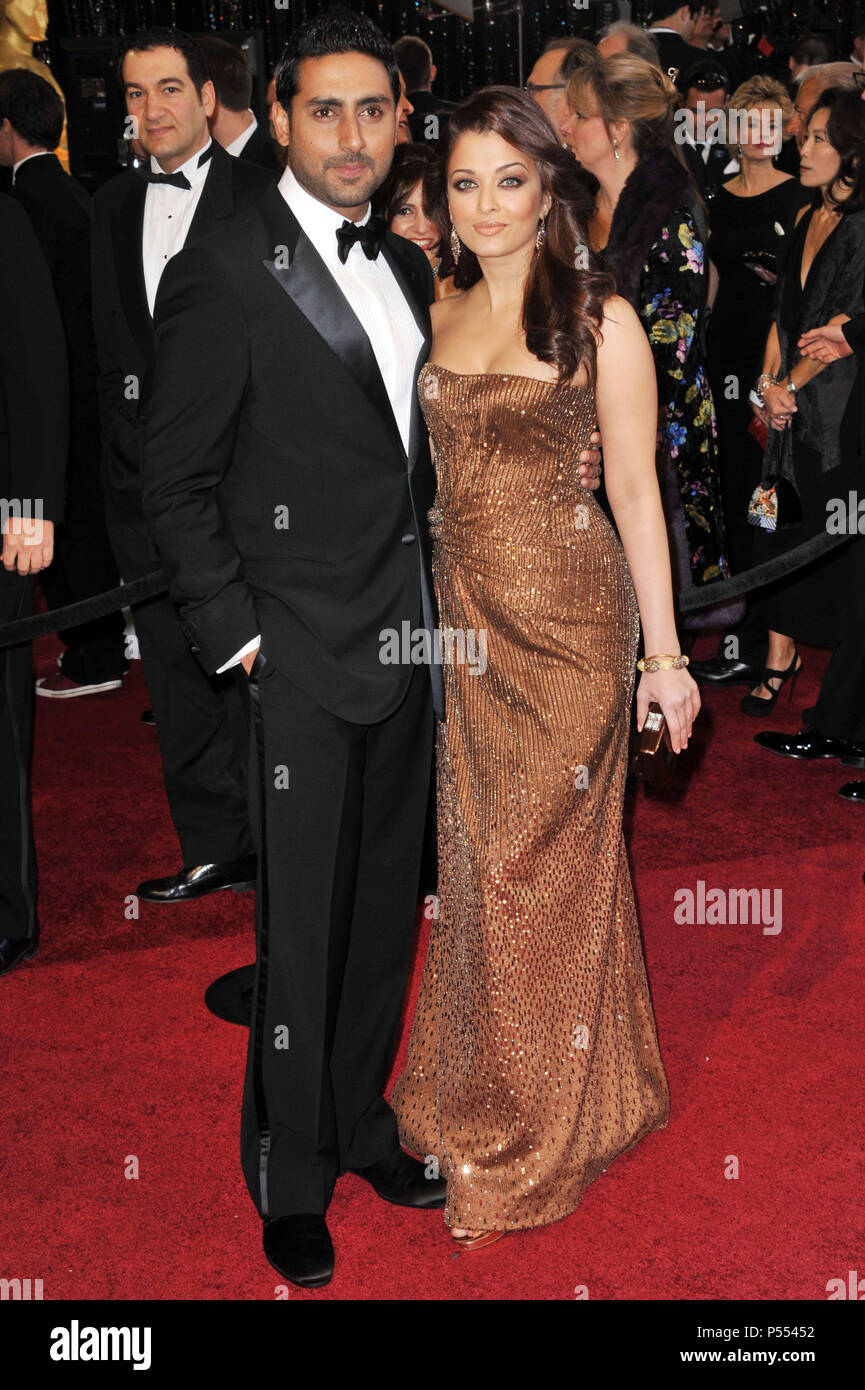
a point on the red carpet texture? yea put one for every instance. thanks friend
(121, 1175)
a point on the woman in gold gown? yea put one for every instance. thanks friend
(534, 1059)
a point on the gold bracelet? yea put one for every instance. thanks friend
(662, 662)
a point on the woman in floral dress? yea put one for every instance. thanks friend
(649, 230)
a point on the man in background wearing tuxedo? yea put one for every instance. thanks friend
(232, 122)
(31, 123)
(34, 419)
(672, 28)
(140, 222)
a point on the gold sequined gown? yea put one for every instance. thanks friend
(533, 1059)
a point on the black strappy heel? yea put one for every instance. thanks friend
(754, 705)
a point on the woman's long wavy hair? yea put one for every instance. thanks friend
(563, 307)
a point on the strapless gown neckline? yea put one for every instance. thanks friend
(503, 376)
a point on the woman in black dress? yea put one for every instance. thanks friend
(804, 401)
(749, 218)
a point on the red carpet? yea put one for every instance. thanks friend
(111, 1057)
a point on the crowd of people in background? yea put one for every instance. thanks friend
(741, 245)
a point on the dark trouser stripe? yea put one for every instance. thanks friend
(262, 905)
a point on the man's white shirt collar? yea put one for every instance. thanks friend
(239, 143)
(318, 221)
(34, 155)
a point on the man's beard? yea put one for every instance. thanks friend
(331, 190)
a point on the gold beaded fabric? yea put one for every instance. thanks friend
(533, 1059)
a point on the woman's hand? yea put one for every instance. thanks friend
(761, 413)
(780, 406)
(679, 697)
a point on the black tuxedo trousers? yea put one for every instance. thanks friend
(17, 853)
(338, 810)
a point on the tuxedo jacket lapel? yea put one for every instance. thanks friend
(217, 199)
(412, 288)
(126, 239)
(310, 285)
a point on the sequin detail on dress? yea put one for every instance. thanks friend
(533, 1059)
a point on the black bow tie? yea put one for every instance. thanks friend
(370, 236)
(177, 179)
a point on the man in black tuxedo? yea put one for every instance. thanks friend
(34, 418)
(286, 480)
(706, 95)
(415, 62)
(672, 28)
(140, 222)
(31, 123)
(233, 123)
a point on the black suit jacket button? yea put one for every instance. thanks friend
(407, 540)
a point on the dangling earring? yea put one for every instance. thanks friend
(616, 155)
(456, 245)
(739, 151)
(541, 233)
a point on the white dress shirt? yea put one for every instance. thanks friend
(34, 155)
(168, 214)
(239, 143)
(375, 298)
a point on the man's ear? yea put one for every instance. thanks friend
(281, 123)
(208, 99)
(432, 73)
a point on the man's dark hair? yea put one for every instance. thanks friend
(415, 62)
(32, 107)
(229, 72)
(859, 27)
(706, 76)
(662, 9)
(337, 31)
(811, 51)
(148, 39)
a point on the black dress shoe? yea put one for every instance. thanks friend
(402, 1180)
(300, 1249)
(717, 670)
(15, 949)
(230, 996)
(808, 745)
(196, 882)
(148, 717)
(853, 791)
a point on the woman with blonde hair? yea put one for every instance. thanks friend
(645, 230)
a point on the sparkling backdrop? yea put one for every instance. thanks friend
(467, 55)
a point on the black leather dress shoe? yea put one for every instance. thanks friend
(230, 996)
(808, 745)
(14, 950)
(717, 670)
(199, 880)
(853, 791)
(402, 1180)
(300, 1249)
